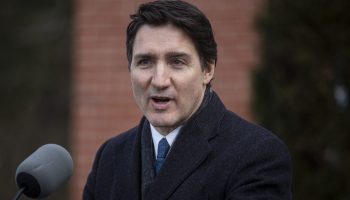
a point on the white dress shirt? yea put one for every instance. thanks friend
(156, 137)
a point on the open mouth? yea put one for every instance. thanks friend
(161, 99)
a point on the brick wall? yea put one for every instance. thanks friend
(103, 105)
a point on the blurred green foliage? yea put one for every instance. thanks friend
(301, 89)
(35, 59)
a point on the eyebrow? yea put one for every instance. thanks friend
(172, 54)
(177, 55)
(144, 55)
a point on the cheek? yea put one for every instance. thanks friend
(138, 81)
(139, 78)
(191, 91)
(136, 87)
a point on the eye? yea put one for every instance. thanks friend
(177, 62)
(144, 63)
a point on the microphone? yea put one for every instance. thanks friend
(44, 171)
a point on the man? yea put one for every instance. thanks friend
(214, 154)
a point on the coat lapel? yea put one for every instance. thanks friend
(183, 158)
(190, 149)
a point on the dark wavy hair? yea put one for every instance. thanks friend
(182, 15)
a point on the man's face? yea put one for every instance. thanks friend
(167, 79)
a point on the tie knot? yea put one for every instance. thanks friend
(163, 148)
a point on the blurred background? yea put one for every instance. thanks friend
(35, 80)
(282, 64)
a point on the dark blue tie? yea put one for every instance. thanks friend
(163, 148)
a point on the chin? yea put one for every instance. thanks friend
(160, 123)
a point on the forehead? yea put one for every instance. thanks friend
(165, 38)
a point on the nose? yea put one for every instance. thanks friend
(161, 77)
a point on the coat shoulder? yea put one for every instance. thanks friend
(262, 161)
(119, 140)
(246, 133)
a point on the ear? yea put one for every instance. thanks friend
(208, 74)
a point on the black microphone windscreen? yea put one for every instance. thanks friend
(44, 170)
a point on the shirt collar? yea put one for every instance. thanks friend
(156, 137)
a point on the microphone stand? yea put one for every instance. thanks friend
(19, 193)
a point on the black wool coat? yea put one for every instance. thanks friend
(217, 155)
